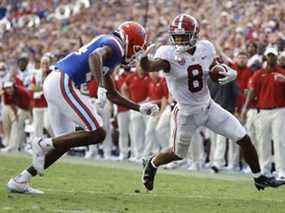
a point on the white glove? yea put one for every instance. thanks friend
(230, 75)
(101, 96)
(149, 109)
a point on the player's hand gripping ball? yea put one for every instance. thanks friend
(222, 74)
(215, 73)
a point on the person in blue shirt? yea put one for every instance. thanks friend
(67, 107)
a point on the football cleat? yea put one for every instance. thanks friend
(21, 187)
(215, 169)
(148, 175)
(262, 182)
(38, 156)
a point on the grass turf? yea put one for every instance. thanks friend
(85, 186)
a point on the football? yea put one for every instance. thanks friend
(215, 72)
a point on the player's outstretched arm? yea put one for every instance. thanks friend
(115, 97)
(150, 65)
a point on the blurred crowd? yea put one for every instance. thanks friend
(34, 34)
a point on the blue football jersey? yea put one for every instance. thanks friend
(76, 64)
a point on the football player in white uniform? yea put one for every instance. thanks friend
(186, 63)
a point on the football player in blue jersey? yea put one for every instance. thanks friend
(67, 107)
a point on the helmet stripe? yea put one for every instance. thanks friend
(180, 22)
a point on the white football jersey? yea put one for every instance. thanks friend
(187, 79)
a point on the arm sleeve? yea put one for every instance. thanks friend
(210, 50)
(162, 53)
(117, 50)
(117, 55)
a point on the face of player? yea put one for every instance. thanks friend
(271, 59)
(181, 39)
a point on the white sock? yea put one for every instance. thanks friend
(25, 176)
(256, 175)
(46, 144)
(152, 163)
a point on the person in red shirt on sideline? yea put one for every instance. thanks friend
(158, 94)
(136, 88)
(243, 75)
(17, 106)
(123, 115)
(39, 104)
(268, 86)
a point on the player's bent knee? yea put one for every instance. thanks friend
(238, 134)
(174, 156)
(244, 140)
(98, 135)
(181, 150)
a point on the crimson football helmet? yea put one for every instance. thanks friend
(134, 38)
(184, 32)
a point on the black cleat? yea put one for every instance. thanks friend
(262, 182)
(215, 169)
(148, 175)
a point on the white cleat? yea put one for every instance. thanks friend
(21, 187)
(38, 156)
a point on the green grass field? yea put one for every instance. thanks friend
(80, 186)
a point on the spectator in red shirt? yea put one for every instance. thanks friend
(136, 88)
(243, 75)
(16, 110)
(268, 85)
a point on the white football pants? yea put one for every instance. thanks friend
(67, 106)
(138, 123)
(123, 119)
(270, 126)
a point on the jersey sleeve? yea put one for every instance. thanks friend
(210, 50)
(162, 53)
(117, 53)
(116, 47)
